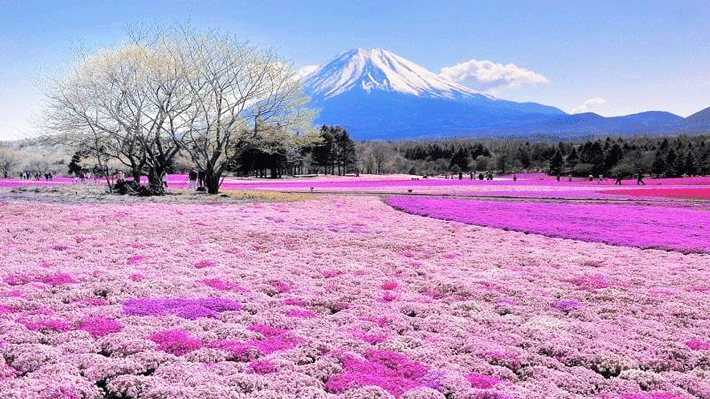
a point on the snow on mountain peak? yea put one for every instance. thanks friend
(381, 70)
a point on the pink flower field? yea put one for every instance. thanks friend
(643, 226)
(346, 297)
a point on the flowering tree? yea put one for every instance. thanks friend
(177, 89)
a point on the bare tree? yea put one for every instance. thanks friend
(8, 162)
(179, 89)
(238, 93)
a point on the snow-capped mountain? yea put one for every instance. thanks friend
(377, 69)
(376, 94)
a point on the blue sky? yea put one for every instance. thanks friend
(609, 57)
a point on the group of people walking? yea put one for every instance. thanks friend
(27, 175)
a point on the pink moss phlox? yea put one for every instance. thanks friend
(238, 351)
(391, 371)
(696, 344)
(135, 259)
(99, 326)
(58, 279)
(281, 287)
(482, 381)
(649, 395)
(388, 296)
(54, 392)
(389, 285)
(136, 277)
(95, 301)
(185, 308)
(566, 305)
(263, 366)
(294, 301)
(503, 359)
(331, 273)
(5, 310)
(176, 341)
(267, 331)
(372, 339)
(650, 226)
(449, 256)
(205, 263)
(301, 313)
(18, 279)
(60, 247)
(592, 282)
(219, 284)
(275, 339)
(56, 325)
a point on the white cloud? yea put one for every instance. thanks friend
(305, 71)
(491, 76)
(589, 105)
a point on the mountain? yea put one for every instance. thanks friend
(376, 94)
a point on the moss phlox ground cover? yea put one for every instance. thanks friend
(336, 297)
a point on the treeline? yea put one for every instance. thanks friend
(334, 153)
(664, 156)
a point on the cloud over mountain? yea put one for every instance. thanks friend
(589, 105)
(490, 76)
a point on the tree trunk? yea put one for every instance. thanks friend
(212, 181)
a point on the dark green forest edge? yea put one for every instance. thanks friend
(338, 154)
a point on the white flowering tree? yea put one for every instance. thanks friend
(178, 89)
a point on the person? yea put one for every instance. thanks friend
(618, 179)
(470, 175)
(192, 176)
(121, 177)
(460, 175)
(201, 176)
(558, 177)
(569, 177)
(639, 179)
(515, 178)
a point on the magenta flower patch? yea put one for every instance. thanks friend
(47, 325)
(661, 227)
(696, 344)
(18, 279)
(301, 313)
(185, 308)
(566, 305)
(482, 381)
(261, 367)
(99, 326)
(135, 259)
(238, 351)
(205, 263)
(275, 339)
(58, 279)
(177, 342)
(390, 371)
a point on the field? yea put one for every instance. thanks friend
(357, 288)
